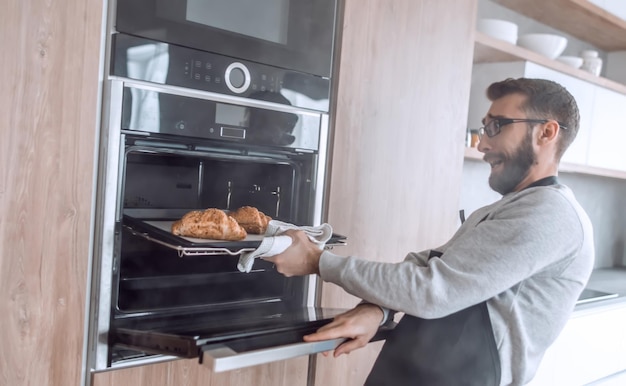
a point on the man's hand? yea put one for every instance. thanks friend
(301, 258)
(359, 325)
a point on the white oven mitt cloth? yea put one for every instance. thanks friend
(274, 242)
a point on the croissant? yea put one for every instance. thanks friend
(209, 224)
(251, 219)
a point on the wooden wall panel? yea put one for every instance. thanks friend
(401, 112)
(48, 104)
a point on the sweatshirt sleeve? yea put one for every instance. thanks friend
(516, 240)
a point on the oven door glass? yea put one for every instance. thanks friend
(231, 340)
(290, 34)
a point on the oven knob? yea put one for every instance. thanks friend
(237, 77)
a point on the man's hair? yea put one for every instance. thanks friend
(545, 99)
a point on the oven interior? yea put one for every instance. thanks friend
(164, 185)
(158, 288)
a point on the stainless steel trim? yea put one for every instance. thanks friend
(90, 337)
(105, 230)
(130, 363)
(208, 95)
(138, 133)
(258, 157)
(222, 358)
(321, 170)
(313, 295)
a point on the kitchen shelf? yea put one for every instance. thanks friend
(579, 18)
(472, 153)
(488, 49)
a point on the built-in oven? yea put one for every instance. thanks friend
(169, 151)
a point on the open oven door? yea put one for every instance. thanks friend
(182, 297)
(235, 339)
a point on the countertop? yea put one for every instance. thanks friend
(611, 280)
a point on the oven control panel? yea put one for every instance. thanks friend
(162, 63)
(166, 113)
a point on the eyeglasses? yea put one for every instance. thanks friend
(493, 127)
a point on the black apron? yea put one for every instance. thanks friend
(458, 349)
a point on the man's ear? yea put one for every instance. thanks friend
(549, 131)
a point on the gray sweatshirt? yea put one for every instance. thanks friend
(529, 255)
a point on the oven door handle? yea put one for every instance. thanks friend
(220, 357)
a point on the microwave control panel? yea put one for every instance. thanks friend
(224, 75)
(162, 63)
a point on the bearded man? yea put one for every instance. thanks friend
(483, 308)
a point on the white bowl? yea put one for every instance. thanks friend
(549, 45)
(499, 29)
(574, 61)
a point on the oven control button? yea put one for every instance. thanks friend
(237, 77)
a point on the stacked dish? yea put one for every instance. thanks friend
(548, 45)
(499, 29)
(574, 61)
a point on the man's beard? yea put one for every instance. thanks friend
(515, 169)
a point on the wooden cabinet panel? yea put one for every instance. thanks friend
(48, 104)
(399, 132)
(189, 373)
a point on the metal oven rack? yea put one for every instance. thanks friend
(193, 247)
(191, 251)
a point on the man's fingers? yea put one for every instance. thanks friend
(348, 346)
(323, 335)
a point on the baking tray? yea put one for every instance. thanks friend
(158, 230)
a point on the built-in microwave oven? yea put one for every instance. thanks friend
(289, 34)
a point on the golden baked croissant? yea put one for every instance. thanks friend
(251, 219)
(209, 224)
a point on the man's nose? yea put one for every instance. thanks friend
(483, 144)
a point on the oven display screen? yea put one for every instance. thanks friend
(231, 115)
(266, 19)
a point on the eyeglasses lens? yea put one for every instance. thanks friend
(491, 128)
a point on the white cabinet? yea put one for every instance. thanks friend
(592, 346)
(607, 145)
(584, 93)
